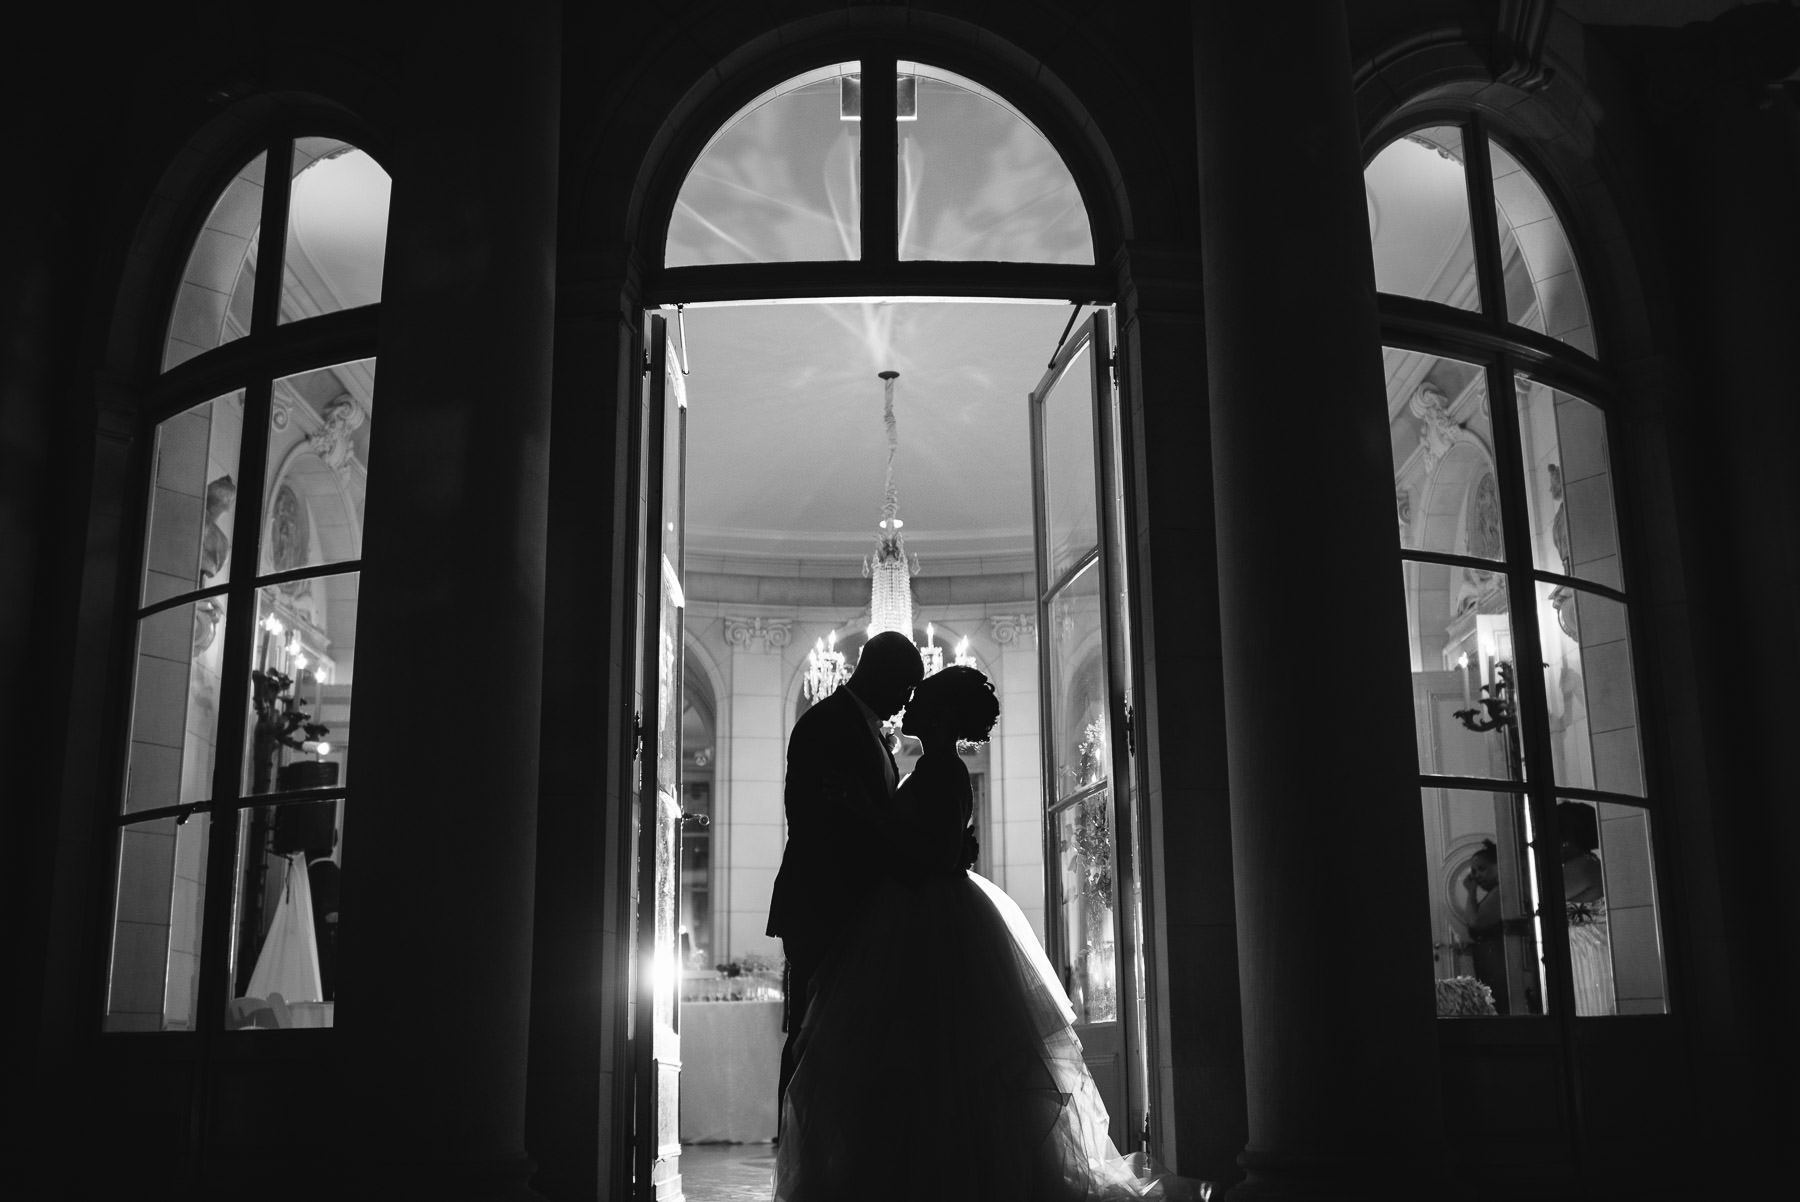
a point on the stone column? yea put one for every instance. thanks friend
(440, 830)
(1340, 1046)
(1017, 768)
(755, 762)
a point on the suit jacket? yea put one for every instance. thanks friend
(837, 786)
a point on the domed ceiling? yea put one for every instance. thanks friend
(786, 446)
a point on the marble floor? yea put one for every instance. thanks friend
(727, 1172)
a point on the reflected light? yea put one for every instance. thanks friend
(662, 971)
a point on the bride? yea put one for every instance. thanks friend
(967, 1084)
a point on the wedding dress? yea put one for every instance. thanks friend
(1590, 958)
(938, 1060)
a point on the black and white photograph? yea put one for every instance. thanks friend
(901, 600)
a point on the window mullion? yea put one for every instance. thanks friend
(1533, 730)
(1484, 223)
(240, 626)
(271, 242)
(880, 188)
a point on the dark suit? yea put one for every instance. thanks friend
(838, 774)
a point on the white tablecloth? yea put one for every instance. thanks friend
(730, 1066)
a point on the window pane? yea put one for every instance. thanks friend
(1070, 523)
(318, 468)
(1569, 485)
(780, 182)
(337, 230)
(977, 181)
(300, 689)
(1440, 432)
(155, 968)
(1484, 903)
(1543, 286)
(212, 303)
(193, 499)
(1589, 697)
(1418, 198)
(1615, 939)
(1078, 717)
(175, 706)
(1084, 859)
(285, 913)
(1459, 628)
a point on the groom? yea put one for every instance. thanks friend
(840, 782)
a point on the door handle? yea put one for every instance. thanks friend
(691, 821)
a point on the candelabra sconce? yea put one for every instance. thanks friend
(1499, 706)
(826, 669)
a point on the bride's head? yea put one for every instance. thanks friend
(958, 701)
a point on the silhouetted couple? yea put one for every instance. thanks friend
(930, 1052)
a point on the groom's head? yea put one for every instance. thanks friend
(886, 672)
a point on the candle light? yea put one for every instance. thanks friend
(1462, 662)
(930, 635)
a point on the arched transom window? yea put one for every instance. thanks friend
(965, 177)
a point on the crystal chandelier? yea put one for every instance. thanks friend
(890, 572)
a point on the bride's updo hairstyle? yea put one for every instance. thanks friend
(965, 696)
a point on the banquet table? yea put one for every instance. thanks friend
(730, 1064)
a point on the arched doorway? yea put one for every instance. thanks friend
(860, 188)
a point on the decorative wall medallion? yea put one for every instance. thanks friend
(763, 634)
(289, 535)
(1011, 629)
(278, 415)
(1484, 519)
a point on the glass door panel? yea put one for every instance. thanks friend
(1082, 692)
(656, 1019)
(1067, 496)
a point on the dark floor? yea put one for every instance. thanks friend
(727, 1172)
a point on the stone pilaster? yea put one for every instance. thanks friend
(440, 830)
(1340, 1045)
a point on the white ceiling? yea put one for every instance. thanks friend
(786, 446)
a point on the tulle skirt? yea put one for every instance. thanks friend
(938, 1061)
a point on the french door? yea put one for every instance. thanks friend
(655, 1021)
(1093, 931)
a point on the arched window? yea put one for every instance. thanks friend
(236, 771)
(1537, 807)
(782, 181)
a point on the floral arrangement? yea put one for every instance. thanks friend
(278, 712)
(1463, 997)
(1094, 845)
(750, 963)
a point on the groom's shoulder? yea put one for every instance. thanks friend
(831, 709)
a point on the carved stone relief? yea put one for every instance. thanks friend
(1437, 429)
(1014, 629)
(342, 418)
(759, 634)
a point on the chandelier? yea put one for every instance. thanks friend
(890, 572)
